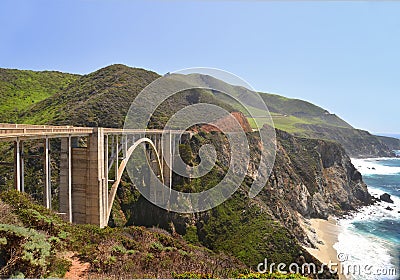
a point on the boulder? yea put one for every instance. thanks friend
(386, 197)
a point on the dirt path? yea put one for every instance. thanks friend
(78, 270)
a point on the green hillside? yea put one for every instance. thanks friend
(298, 117)
(87, 100)
(21, 89)
(290, 113)
(102, 98)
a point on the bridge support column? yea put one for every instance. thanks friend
(105, 187)
(152, 158)
(18, 166)
(22, 167)
(66, 178)
(167, 159)
(47, 174)
(79, 179)
(83, 180)
(96, 190)
(116, 155)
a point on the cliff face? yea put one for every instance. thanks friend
(323, 180)
(227, 123)
(311, 178)
(357, 143)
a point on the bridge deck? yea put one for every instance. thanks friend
(14, 132)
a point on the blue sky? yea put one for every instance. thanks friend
(341, 55)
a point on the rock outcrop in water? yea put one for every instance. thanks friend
(386, 197)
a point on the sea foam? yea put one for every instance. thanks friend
(372, 166)
(361, 248)
(363, 239)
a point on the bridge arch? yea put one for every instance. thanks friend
(122, 167)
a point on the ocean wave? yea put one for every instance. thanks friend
(379, 211)
(373, 166)
(363, 249)
(363, 243)
(370, 236)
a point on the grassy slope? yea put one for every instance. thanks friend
(132, 252)
(21, 89)
(289, 114)
(302, 119)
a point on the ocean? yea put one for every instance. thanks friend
(369, 242)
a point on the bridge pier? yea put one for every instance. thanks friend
(79, 166)
(47, 174)
(22, 167)
(18, 165)
(96, 185)
(83, 180)
(66, 178)
(105, 181)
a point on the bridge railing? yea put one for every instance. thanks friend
(10, 132)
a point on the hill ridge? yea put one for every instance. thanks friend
(102, 98)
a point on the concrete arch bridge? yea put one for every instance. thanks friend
(86, 194)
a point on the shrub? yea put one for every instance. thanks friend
(156, 246)
(191, 235)
(23, 250)
(192, 275)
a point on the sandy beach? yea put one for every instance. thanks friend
(327, 235)
(324, 233)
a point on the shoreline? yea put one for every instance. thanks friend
(324, 234)
(327, 232)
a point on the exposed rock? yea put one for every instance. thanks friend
(358, 143)
(228, 124)
(386, 197)
(389, 208)
(312, 177)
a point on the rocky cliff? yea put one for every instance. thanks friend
(357, 143)
(228, 124)
(310, 179)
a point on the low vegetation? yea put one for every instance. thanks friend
(35, 242)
